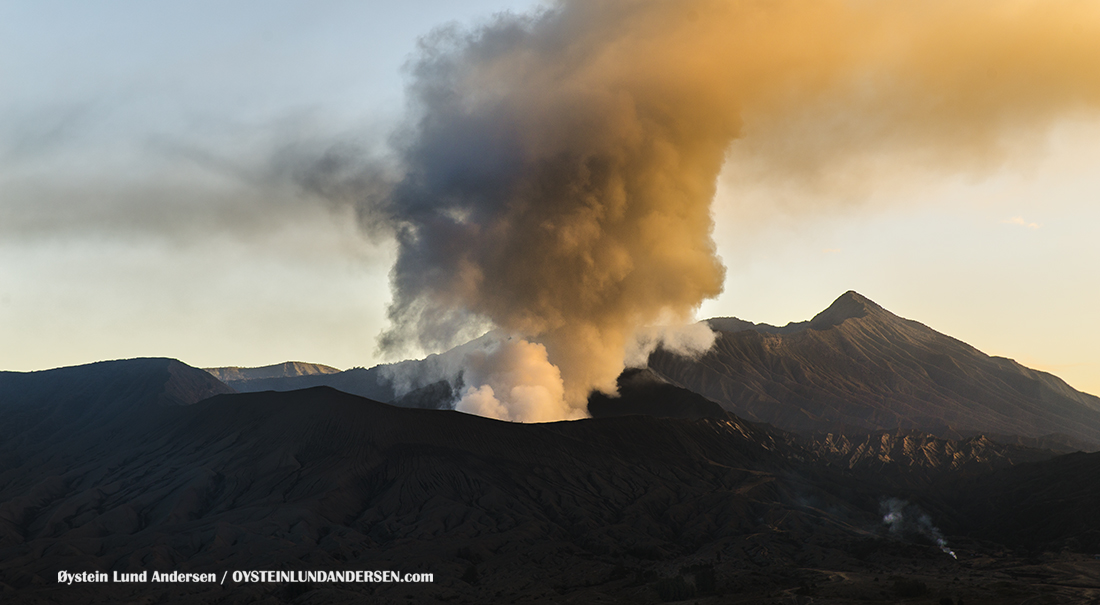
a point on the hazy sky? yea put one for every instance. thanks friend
(145, 208)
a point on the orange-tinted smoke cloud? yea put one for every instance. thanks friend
(557, 172)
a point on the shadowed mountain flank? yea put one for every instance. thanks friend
(856, 365)
(116, 467)
(1047, 505)
(320, 479)
(74, 403)
(365, 382)
(123, 382)
(643, 392)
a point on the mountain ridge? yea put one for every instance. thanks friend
(287, 369)
(853, 365)
(856, 364)
(617, 509)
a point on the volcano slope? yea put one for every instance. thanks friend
(365, 382)
(232, 374)
(120, 467)
(857, 366)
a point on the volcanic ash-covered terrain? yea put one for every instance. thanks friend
(151, 465)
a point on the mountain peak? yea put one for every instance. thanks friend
(850, 305)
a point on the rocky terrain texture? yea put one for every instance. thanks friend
(857, 366)
(287, 369)
(152, 465)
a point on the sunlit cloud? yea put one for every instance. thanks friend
(1019, 220)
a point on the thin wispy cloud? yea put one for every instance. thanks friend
(1019, 220)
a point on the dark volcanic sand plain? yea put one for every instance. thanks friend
(152, 465)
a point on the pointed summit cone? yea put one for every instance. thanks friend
(857, 365)
(850, 305)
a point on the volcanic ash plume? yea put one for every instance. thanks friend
(903, 518)
(555, 176)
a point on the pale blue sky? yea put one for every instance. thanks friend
(139, 216)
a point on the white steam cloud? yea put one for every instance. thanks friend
(905, 519)
(691, 340)
(515, 381)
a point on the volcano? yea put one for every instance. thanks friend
(856, 366)
(151, 465)
(754, 473)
